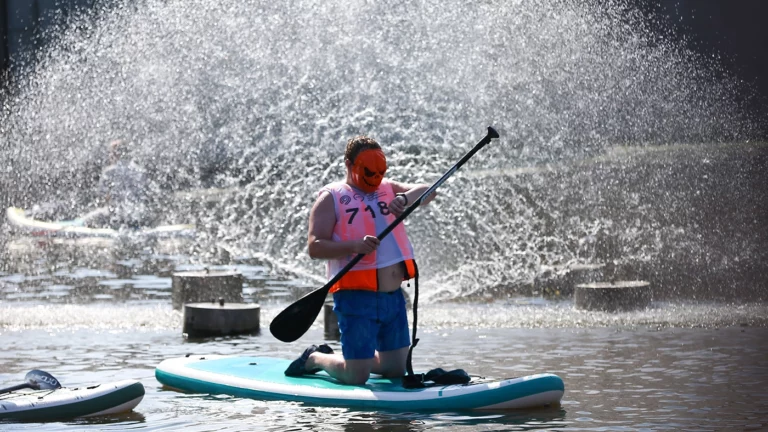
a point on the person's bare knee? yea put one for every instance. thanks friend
(393, 373)
(358, 377)
(357, 372)
(392, 363)
(393, 369)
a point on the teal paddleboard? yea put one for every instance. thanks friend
(67, 403)
(263, 378)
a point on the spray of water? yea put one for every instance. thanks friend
(258, 98)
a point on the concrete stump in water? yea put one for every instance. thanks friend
(206, 286)
(331, 322)
(220, 319)
(612, 296)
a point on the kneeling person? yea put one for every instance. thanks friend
(368, 301)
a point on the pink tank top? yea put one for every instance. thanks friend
(358, 215)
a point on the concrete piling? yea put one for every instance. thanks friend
(205, 286)
(612, 296)
(220, 319)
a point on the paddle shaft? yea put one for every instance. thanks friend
(295, 320)
(14, 388)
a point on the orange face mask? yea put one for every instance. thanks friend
(369, 169)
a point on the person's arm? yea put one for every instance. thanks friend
(322, 219)
(412, 192)
(104, 186)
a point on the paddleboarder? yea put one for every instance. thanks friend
(368, 300)
(123, 192)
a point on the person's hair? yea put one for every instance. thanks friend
(119, 148)
(358, 144)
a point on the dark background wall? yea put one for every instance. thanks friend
(27, 25)
(3, 39)
(731, 30)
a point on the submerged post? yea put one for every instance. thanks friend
(330, 322)
(205, 286)
(612, 296)
(218, 318)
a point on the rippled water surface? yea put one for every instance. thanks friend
(673, 366)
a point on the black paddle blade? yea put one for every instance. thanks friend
(492, 134)
(41, 380)
(296, 319)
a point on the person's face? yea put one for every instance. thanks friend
(368, 170)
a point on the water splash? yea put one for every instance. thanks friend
(258, 98)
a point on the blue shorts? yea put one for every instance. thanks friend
(371, 321)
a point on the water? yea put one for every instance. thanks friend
(636, 152)
(636, 378)
(674, 365)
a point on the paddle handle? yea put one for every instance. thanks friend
(488, 137)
